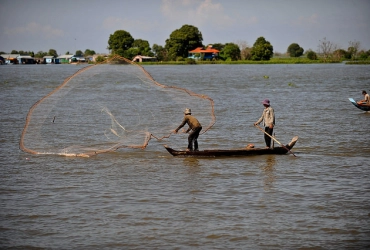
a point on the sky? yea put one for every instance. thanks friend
(70, 25)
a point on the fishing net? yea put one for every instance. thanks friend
(108, 106)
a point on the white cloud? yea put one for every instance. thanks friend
(207, 12)
(36, 29)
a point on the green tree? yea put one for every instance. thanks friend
(353, 49)
(131, 53)
(363, 55)
(143, 47)
(100, 59)
(262, 50)
(341, 53)
(41, 54)
(311, 55)
(160, 52)
(32, 54)
(183, 40)
(79, 53)
(14, 52)
(218, 46)
(295, 50)
(53, 52)
(231, 51)
(89, 52)
(119, 42)
(67, 53)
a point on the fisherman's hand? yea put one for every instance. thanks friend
(271, 126)
(175, 132)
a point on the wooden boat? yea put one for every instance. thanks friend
(234, 152)
(362, 107)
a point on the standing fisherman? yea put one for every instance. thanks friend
(195, 126)
(268, 118)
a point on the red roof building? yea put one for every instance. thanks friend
(203, 54)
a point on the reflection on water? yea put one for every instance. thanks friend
(191, 162)
(194, 183)
(269, 172)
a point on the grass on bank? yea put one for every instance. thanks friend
(287, 60)
(359, 62)
(274, 60)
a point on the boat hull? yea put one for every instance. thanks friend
(362, 107)
(233, 152)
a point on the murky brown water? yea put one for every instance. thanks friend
(134, 199)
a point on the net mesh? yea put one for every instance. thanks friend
(107, 106)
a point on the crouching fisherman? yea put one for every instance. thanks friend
(195, 128)
(366, 101)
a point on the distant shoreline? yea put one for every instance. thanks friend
(257, 62)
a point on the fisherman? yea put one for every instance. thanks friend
(268, 118)
(366, 101)
(195, 126)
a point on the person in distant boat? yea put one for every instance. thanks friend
(268, 118)
(365, 101)
(195, 128)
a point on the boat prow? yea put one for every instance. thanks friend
(362, 107)
(234, 152)
(292, 142)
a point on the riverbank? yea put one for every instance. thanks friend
(271, 61)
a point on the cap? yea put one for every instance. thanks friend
(187, 111)
(266, 102)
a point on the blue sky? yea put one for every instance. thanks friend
(70, 25)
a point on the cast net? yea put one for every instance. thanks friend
(108, 106)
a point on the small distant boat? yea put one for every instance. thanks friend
(234, 152)
(362, 107)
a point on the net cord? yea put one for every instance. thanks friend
(148, 137)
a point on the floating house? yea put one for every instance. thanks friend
(203, 54)
(18, 59)
(11, 58)
(140, 58)
(70, 59)
(26, 60)
(64, 58)
(77, 59)
(50, 60)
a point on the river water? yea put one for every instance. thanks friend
(147, 199)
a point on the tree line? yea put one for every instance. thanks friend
(188, 38)
(180, 42)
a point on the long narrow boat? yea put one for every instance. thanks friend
(234, 152)
(362, 107)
